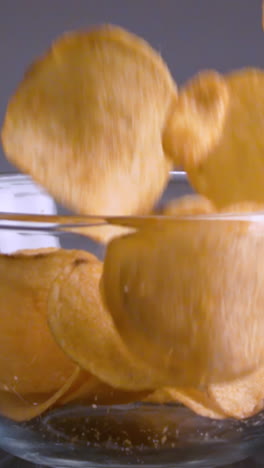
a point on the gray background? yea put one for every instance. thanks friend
(190, 34)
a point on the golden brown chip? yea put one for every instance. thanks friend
(81, 387)
(197, 119)
(233, 171)
(31, 362)
(188, 205)
(197, 400)
(84, 329)
(187, 298)
(241, 398)
(21, 407)
(86, 122)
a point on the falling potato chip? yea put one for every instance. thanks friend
(241, 398)
(187, 298)
(197, 400)
(197, 119)
(25, 407)
(188, 205)
(31, 362)
(84, 329)
(233, 171)
(90, 114)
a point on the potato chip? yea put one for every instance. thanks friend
(197, 119)
(25, 407)
(84, 329)
(81, 387)
(187, 298)
(197, 400)
(31, 362)
(188, 205)
(90, 114)
(233, 171)
(241, 398)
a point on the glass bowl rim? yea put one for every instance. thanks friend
(44, 222)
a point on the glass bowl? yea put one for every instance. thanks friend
(125, 435)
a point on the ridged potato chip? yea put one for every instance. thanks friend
(90, 114)
(197, 119)
(233, 170)
(197, 400)
(33, 368)
(30, 359)
(187, 298)
(241, 398)
(84, 329)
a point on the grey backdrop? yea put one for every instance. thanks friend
(190, 34)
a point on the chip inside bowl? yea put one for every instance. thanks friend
(90, 113)
(241, 398)
(186, 296)
(232, 171)
(197, 119)
(197, 400)
(34, 371)
(83, 327)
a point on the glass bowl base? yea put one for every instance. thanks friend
(131, 436)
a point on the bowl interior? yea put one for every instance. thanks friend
(126, 435)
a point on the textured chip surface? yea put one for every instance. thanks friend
(84, 329)
(90, 114)
(33, 368)
(187, 297)
(233, 170)
(197, 119)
